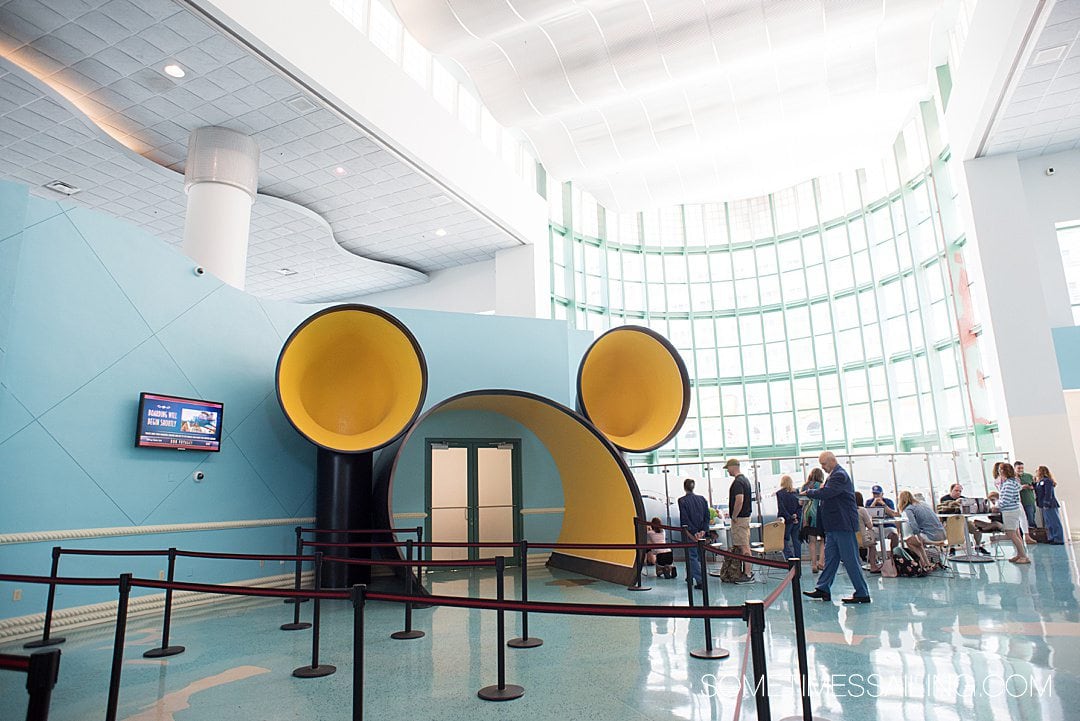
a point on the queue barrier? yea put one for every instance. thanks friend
(752, 612)
(41, 669)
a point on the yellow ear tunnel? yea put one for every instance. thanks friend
(633, 385)
(351, 378)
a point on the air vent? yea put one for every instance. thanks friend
(286, 271)
(63, 188)
(300, 104)
(1050, 55)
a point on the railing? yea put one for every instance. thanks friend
(930, 473)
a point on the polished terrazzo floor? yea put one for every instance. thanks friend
(1001, 644)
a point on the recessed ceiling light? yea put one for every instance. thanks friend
(440, 232)
(286, 271)
(174, 70)
(63, 188)
(1049, 55)
(339, 170)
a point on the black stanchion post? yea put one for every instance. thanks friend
(408, 633)
(165, 649)
(118, 647)
(709, 651)
(358, 593)
(639, 563)
(755, 618)
(524, 641)
(299, 572)
(501, 691)
(40, 680)
(800, 645)
(296, 624)
(46, 639)
(315, 670)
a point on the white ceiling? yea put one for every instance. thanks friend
(1041, 110)
(106, 59)
(651, 103)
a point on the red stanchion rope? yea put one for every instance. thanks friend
(92, 552)
(482, 562)
(746, 559)
(358, 531)
(780, 589)
(58, 581)
(243, 556)
(497, 544)
(9, 662)
(239, 590)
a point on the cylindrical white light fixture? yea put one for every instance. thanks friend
(221, 180)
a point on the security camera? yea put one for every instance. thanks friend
(198, 476)
(199, 270)
(1050, 170)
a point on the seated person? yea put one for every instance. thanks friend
(956, 493)
(994, 524)
(925, 526)
(879, 500)
(662, 557)
(868, 534)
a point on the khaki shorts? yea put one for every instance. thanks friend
(740, 531)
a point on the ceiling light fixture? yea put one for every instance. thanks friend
(440, 232)
(339, 171)
(1049, 55)
(63, 188)
(286, 271)
(175, 71)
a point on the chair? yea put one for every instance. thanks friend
(954, 537)
(772, 541)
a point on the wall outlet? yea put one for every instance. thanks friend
(16, 595)
(161, 575)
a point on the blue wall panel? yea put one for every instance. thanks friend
(1067, 349)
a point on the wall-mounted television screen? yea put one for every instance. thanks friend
(180, 423)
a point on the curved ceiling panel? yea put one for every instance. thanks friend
(689, 101)
(46, 138)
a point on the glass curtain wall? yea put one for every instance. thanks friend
(825, 315)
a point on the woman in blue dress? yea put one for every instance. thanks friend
(1046, 500)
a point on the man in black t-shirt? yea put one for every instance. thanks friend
(739, 504)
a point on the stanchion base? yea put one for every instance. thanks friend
(42, 643)
(403, 635)
(716, 653)
(294, 601)
(314, 671)
(163, 651)
(639, 588)
(295, 626)
(531, 642)
(507, 693)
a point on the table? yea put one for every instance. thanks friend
(968, 556)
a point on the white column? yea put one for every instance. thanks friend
(221, 179)
(1007, 235)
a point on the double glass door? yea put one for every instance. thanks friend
(473, 490)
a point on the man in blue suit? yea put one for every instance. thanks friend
(840, 521)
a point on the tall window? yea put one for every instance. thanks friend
(817, 316)
(1069, 241)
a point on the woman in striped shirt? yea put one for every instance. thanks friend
(1011, 511)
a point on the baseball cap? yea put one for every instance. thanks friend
(732, 462)
(877, 489)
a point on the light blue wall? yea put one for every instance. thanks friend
(93, 311)
(541, 486)
(1067, 349)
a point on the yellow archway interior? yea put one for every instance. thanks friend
(632, 389)
(350, 380)
(597, 496)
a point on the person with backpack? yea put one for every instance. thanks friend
(925, 527)
(840, 520)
